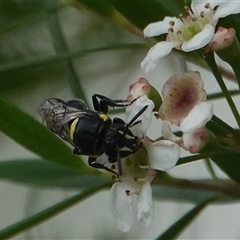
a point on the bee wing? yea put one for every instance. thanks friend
(56, 113)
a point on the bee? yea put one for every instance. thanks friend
(92, 132)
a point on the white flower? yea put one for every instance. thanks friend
(134, 183)
(184, 104)
(144, 119)
(163, 155)
(190, 33)
(138, 170)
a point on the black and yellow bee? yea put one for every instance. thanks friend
(92, 133)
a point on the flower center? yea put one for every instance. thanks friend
(192, 24)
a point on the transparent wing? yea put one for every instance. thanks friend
(56, 113)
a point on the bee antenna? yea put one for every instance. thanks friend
(132, 122)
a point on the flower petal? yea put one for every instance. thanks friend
(120, 205)
(163, 155)
(158, 28)
(155, 53)
(180, 94)
(198, 6)
(197, 117)
(140, 129)
(168, 134)
(199, 40)
(145, 205)
(227, 8)
(196, 141)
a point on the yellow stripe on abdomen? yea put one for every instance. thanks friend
(73, 128)
(104, 117)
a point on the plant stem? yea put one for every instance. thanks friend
(212, 64)
(236, 68)
(196, 157)
(228, 187)
(210, 169)
(214, 96)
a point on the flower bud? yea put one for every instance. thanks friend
(222, 39)
(196, 141)
(226, 45)
(143, 87)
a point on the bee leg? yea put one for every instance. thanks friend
(77, 151)
(119, 163)
(92, 163)
(105, 102)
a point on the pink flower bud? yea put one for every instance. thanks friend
(196, 141)
(223, 38)
(138, 89)
(143, 87)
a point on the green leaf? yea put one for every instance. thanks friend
(47, 213)
(192, 195)
(103, 7)
(143, 12)
(26, 19)
(183, 222)
(47, 174)
(61, 46)
(44, 60)
(230, 164)
(35, 137)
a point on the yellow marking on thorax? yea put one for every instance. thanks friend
(73, 128)
(104, 117)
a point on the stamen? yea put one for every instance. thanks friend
(136, 165)
(127, 192)
(113, 166)
(202, 14)
(181, 16)
(194, 19)
(179, 34)
(114, 178)
(207, 5)
(171, 23)
(170, 30)
(188, 10)
(205, 15)
(136, 179)
(144, 167)
(210, 12)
